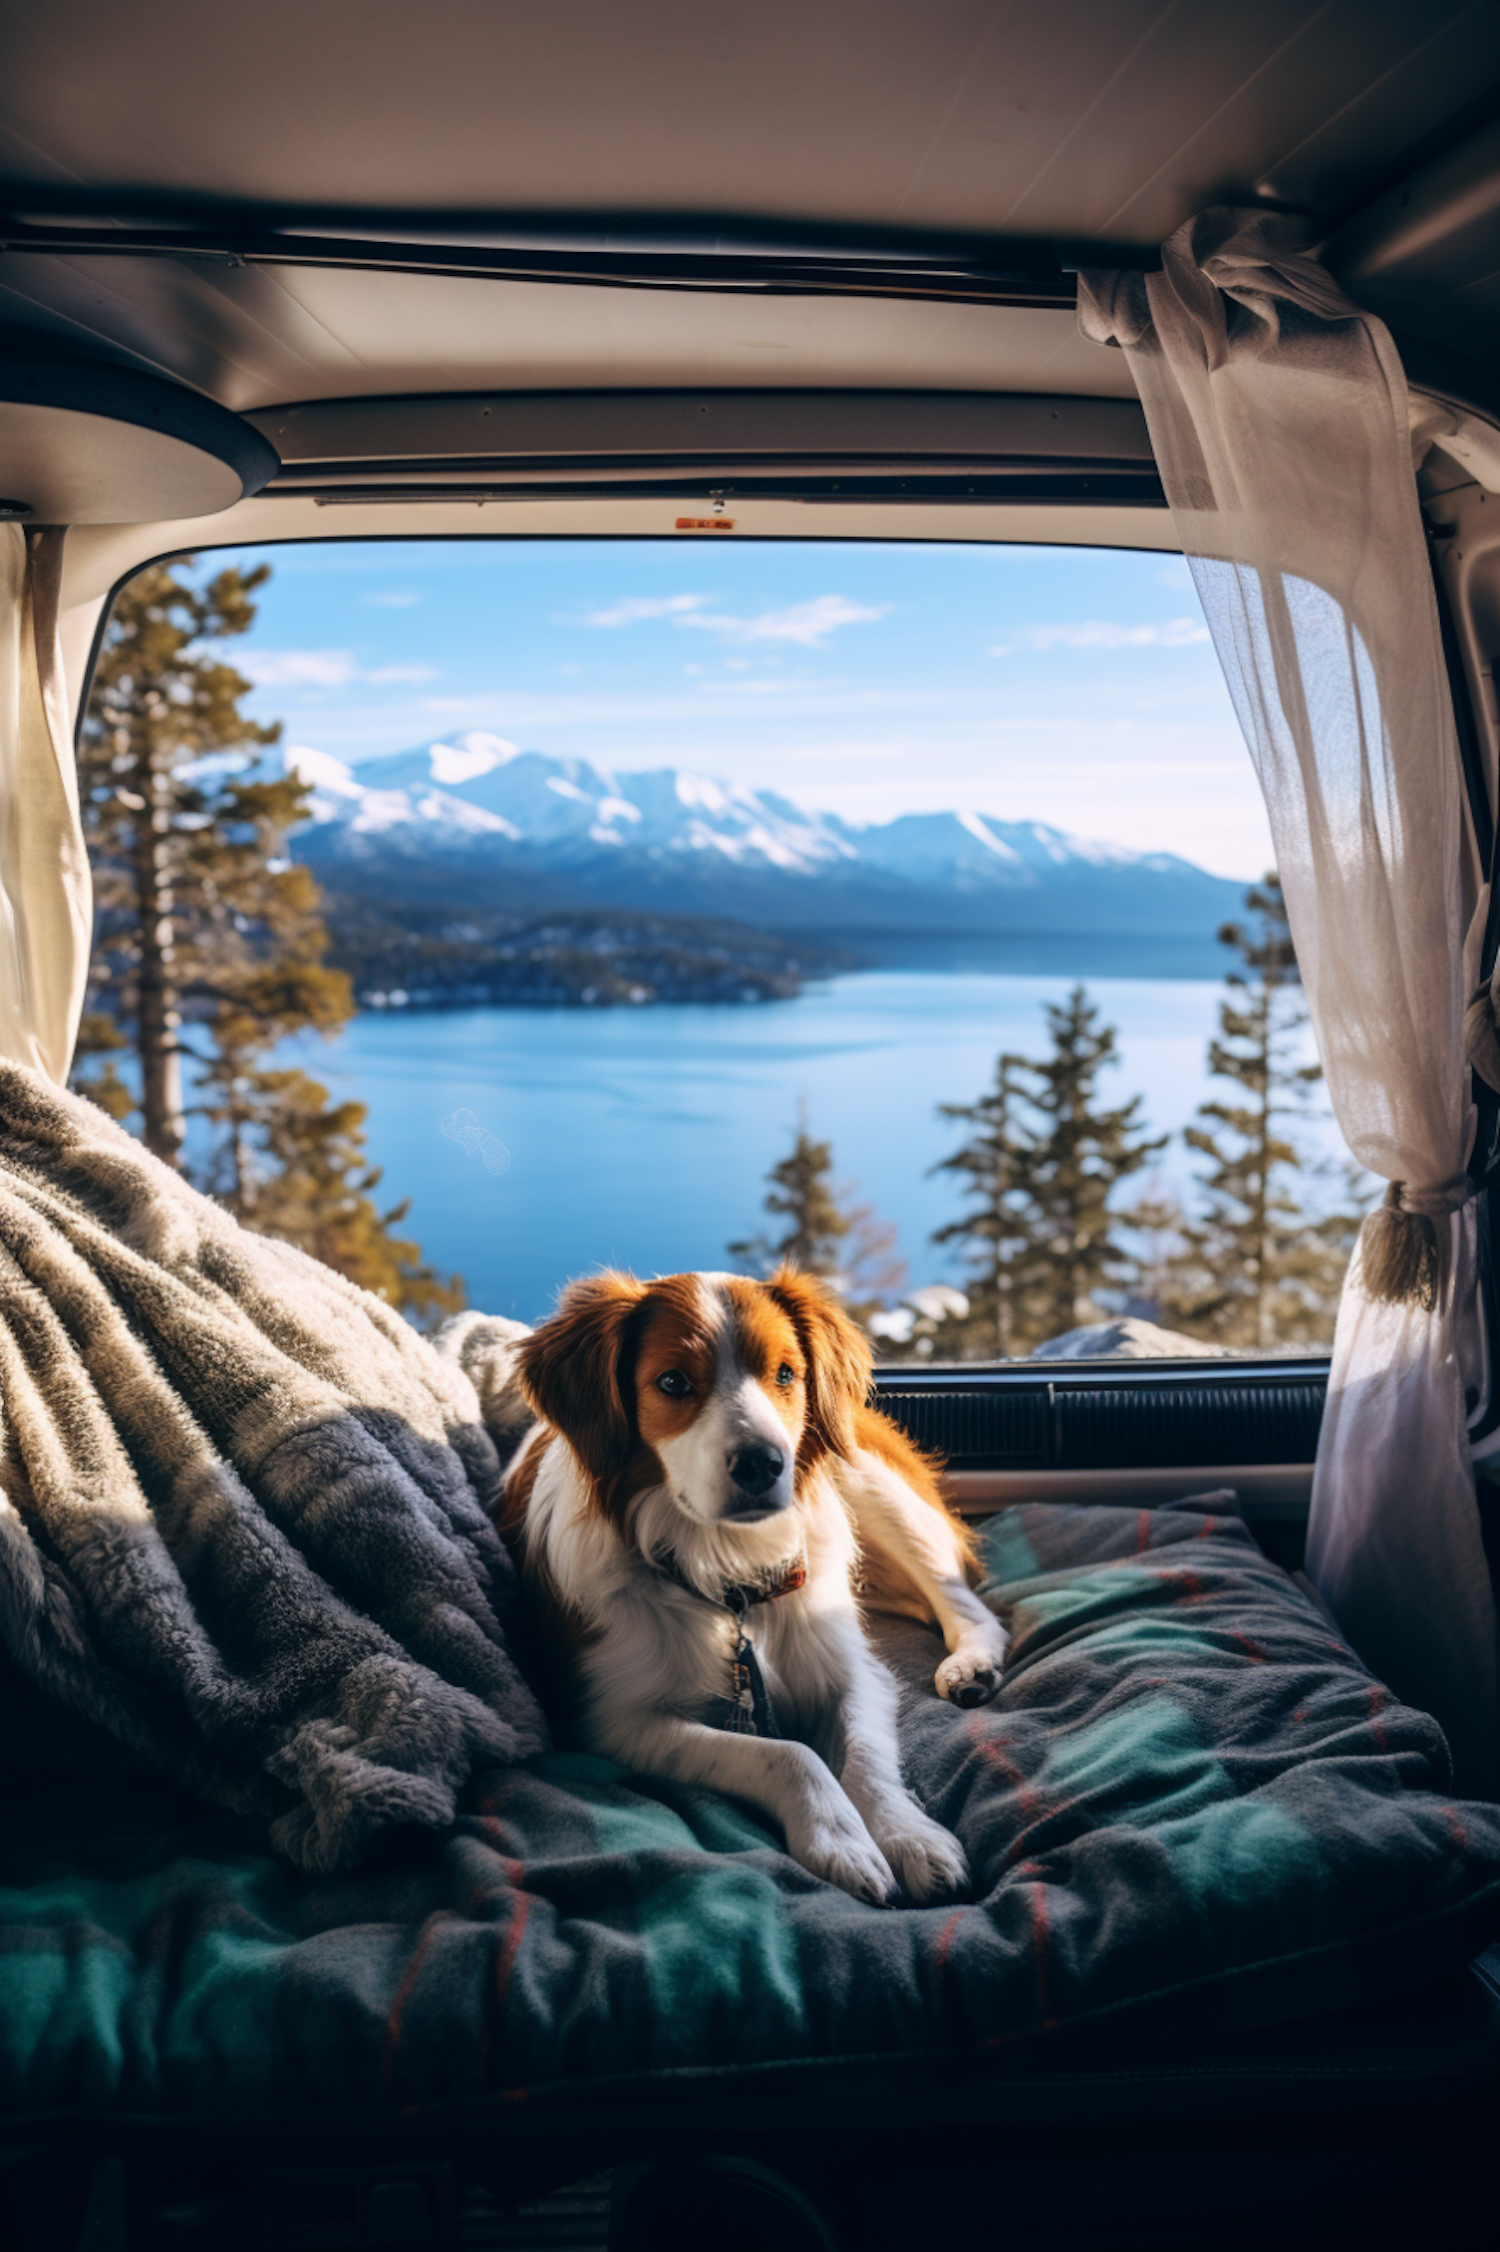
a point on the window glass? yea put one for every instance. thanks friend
(482, 913)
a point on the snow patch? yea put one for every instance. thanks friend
(323, 771)
(383, 809)
(698, 790)
(982, 835)
(473, 754)
(455, 813)
(1100, 855)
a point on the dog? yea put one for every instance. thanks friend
(703, 1505)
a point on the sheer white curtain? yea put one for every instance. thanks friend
(46, 899)
(1279, 416)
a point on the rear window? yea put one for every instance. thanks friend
(516, 909)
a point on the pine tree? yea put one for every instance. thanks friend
(823, 1233)
(1159, 1231)
(313, 1184)
(1259, 1269)
(801, 1195)
(209, 944)
(1044, 1167)
(997, 1233)
(161, 701)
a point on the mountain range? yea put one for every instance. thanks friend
(479, 821)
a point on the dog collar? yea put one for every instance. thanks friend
(739, 1596)
(746, 1711)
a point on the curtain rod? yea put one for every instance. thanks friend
(1041, 276)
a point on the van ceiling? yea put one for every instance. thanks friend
(997, 132)
(1109, 119)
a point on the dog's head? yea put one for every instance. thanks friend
(720, 1392)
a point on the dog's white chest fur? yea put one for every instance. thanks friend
(647, 1640)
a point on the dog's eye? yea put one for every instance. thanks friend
(786, 1374)
(674, 1384)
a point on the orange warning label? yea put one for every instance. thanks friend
(705, 523)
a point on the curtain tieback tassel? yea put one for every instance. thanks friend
(1402, 1251)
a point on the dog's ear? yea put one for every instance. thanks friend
(838, 1361)
(571, 1374)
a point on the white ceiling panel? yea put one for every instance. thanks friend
(1083, 116)
(420, 333)
(1102, 121)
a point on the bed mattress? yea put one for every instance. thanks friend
(1190, 1811)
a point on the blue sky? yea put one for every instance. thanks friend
(1068, 685)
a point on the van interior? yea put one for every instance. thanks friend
(773, 278)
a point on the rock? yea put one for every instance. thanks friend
(1126, 1340)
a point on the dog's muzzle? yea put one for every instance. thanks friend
(755, 1471)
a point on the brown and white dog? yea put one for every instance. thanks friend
(698, 1515)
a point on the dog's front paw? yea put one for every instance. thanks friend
(970, 1675)
(928, 1860)
(830, 1839)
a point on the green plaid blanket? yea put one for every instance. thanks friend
(1191, 1808)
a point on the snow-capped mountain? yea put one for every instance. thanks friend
(478, 817)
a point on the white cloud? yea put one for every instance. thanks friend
(638, 609)
(1104, 633)
(805, 624)
(295, 668)
(317, 668)
(394, 601)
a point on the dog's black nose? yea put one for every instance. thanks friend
(756, 1469)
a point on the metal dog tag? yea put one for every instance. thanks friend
(746, 1711)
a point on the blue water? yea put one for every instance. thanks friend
(641, 1137)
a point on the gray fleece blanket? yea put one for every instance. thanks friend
(243, 1506)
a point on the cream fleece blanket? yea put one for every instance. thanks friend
(243, 1505)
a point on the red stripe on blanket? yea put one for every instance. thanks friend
(1040, 1937)
(1000, 1759)
(1041, 1933)
(512, 1871)
(403, 1995)
(510, 1948)
(1378, 1698)
(1024, 1839)
(945, 1938)
(1184, 1583)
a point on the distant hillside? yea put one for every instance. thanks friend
(423, 957)
(479, 822)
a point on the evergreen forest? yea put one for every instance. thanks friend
(1065, 1229)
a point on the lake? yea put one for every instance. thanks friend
(641, 1137)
